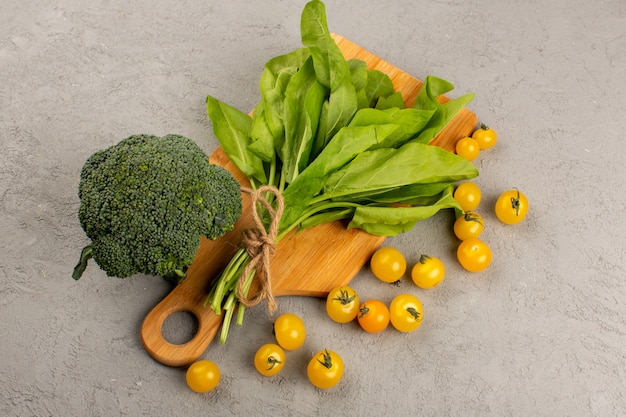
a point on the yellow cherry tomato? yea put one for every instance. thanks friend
(511, 207)
(203, 376)
(342, 304)
(474, 255)
(406, 312)
(388, 264)
(467, 148)
(428, 272)
(485, 136)
(468, 195)
(289, 331)
(469, 224)
(269, 359)
(325, 369)
(373, 316)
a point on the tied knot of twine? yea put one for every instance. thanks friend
(261, 246)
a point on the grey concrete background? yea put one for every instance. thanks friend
(541, 333)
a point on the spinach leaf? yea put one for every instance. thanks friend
(290, 61)
(388, 168)
(391, 221)
(391, 101)
(272, 87)
(232, 128)
(413, 194)
(261, 138)
(273, 83)
(304, 97)
(332, 71)
(342, 104)
(426, 99)
(330, 65)
(409, 121)
(358, 73)
(373, 87)
(378, 85)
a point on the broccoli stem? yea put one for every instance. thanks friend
(85, 255)
(176, 276)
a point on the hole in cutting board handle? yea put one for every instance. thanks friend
(180, 327)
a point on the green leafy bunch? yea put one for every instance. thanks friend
(339, 143)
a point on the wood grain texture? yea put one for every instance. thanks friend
(308, 263)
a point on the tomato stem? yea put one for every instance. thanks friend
(515, 203)
(470, 216)
(413, 312)
(424, 258)
(272, 362)
(327, 362)
(344, 297)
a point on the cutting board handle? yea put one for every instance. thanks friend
(178, 354)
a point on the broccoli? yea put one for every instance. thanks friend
(147, 201)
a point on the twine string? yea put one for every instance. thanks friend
(261, 246)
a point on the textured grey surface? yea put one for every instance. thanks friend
(542, 333)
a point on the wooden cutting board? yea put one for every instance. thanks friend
(309, 263)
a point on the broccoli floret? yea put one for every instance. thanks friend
(147, 201)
